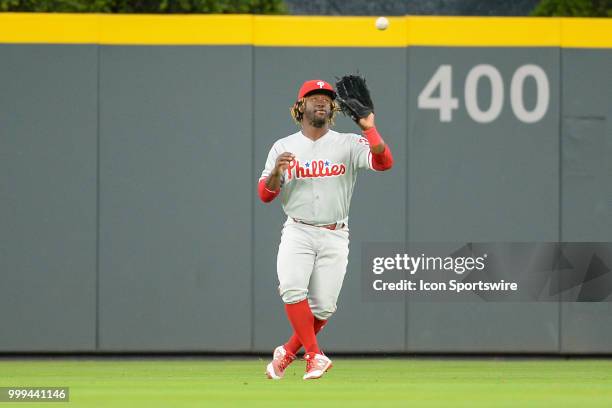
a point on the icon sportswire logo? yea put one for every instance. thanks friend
(314, 168)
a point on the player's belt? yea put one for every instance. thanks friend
(328, 226)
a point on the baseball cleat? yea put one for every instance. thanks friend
(280, 361)
(316, 365)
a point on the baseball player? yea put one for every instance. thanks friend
(314, 171)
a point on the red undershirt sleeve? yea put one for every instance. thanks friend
(380, 161)
(264, 194)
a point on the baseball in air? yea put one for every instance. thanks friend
(382, 23)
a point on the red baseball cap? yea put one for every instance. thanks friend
(316, 85)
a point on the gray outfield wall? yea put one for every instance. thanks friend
(129, 218)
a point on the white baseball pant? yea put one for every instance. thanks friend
(311, 264)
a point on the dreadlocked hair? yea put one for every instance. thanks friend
(298, 115)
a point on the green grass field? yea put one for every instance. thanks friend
(382, 382)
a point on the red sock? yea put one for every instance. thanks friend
(302, 321)
(294, 344)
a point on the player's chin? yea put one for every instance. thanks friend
(319, 122)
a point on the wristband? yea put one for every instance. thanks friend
(373, 136)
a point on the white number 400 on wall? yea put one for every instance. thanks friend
(445, 102)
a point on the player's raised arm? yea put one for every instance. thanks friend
(381, 154)
(355, 101)
(273, 182)
(271, 178)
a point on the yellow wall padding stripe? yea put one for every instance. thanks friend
(49, 28)
(328, 32)
(173, 29)
(303, 31)
(484, 31)
(586, 33)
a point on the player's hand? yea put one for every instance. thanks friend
(367, 122)
(282, 162)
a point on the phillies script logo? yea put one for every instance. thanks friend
(315, 168)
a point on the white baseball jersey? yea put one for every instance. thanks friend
(317, 186)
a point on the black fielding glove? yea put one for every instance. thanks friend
(354, 97)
